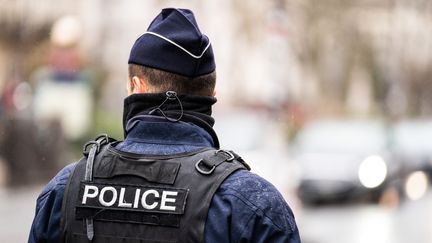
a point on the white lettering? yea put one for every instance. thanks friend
(136, 200)
(144, 198)
(86, 195)
(113, 199)
(122, 203)
(165, 199)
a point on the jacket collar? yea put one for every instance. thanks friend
(193, 110)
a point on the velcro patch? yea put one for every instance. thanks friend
(132, 198)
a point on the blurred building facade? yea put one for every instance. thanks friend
(360, 56)
(328, 57)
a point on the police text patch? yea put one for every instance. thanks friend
(132, 198)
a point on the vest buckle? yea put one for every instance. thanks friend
(100, 140)
(204, 172)
(219, 157)
(231, 156)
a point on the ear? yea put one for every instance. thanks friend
(137, 86)
(214, 93)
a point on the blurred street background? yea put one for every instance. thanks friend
(330, 100)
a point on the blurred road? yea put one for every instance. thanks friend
(411, 222)
(17, 207)
(331, 224)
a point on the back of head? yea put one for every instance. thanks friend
(173, 54)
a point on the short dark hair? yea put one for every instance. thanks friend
(164, 81)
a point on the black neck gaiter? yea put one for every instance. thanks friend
(194, 109)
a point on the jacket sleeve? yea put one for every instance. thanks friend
(46, 222)
(261, 229)
(247, 208)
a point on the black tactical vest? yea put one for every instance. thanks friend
(115, 196)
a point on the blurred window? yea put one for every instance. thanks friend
(411, 137)
(343, 136)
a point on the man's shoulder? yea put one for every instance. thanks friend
(259, 195)
(59, 181)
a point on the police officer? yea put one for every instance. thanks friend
(168, 181)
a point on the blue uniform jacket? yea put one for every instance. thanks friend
(245, 208)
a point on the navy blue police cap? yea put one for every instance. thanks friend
(174, 43)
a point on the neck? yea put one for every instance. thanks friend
(193, 109)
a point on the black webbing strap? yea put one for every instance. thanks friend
(88, 176)
(207, 165)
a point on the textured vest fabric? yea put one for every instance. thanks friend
(140, 198)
